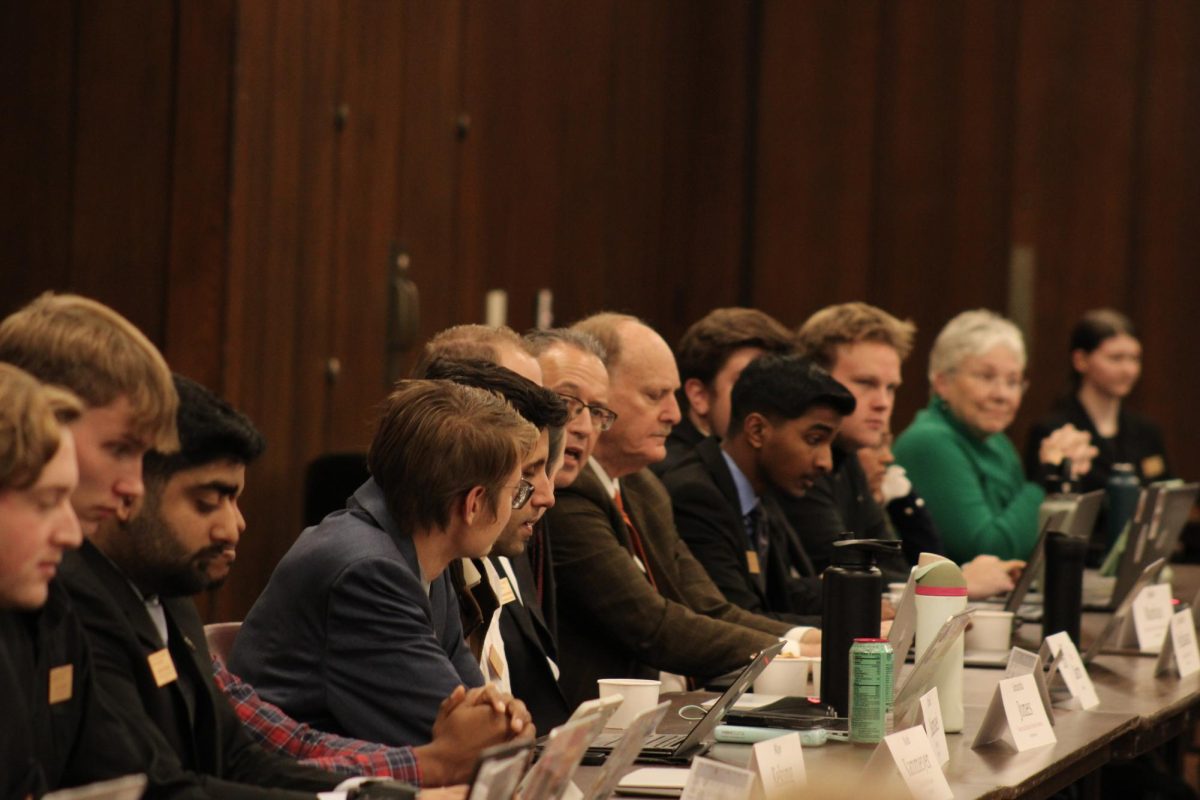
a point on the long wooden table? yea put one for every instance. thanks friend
(1138, 712)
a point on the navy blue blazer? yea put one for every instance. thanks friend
(345, 637)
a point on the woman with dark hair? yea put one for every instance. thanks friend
(1106, 360)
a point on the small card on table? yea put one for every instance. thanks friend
(779, 765)
(910, 754)
(1069, 665)
(1180, 652)
(1016, 710)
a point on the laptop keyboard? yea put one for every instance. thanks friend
(660, 741)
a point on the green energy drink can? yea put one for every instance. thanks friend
(870, 690)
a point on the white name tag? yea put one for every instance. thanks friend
(1070, 667)
(909, 754)
(931, 721)
(779, 764)
(712, 780)
(1180, 651)
(1016, 710)
(1152, 616)
(504, 592)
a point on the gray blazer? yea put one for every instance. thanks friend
(344, 636)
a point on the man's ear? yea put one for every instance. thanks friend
(755, 428)
(698, 396)
(474, 505)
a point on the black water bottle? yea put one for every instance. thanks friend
(1065, 557)
(852, 590)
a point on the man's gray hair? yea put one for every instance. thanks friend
(973, 333)
(539, 340)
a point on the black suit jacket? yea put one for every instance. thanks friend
(188, 720)
(708, 516)
(836, 503)
(78, 739)
(528, 642)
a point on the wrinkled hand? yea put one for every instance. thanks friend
(1069, 442)
(988, 576)
(469, 721)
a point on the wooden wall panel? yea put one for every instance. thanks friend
(199, 201)
(281, 234)
(1073, 179)
(367, 220)
(428, 170)
(37, 83)
(121, 164)
(1163, 278)
(940, 203)
(814, 171)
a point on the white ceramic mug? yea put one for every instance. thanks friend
(639, 694)
(990, 630)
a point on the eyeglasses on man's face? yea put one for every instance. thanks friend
(603, 418)
(521, 494)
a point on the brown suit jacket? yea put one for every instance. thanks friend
(611, 621)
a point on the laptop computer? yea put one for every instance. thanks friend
(680, 748)
(1157, 523)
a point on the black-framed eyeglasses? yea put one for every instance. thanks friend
(603, 418)
(521, 494)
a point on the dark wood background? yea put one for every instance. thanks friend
(236, 176)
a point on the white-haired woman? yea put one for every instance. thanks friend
(956, 454)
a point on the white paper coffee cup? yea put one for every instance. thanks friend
(639, 694)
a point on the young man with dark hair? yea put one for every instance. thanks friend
(502, 618)
(132, 588)
(711, 354)
(785, 414)
(358, 630)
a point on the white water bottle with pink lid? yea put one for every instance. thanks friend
(940, 593)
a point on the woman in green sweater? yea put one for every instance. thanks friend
(956, 454)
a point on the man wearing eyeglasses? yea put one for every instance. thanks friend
(358, 630)
(498, 598)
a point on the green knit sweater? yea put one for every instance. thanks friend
(974, 488)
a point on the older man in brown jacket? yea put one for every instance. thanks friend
(632, 599)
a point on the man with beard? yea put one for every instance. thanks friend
(182, 541)
(502, 618)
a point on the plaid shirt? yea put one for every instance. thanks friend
(279, 733)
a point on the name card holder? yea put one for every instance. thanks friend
(1017, 716)
(1180, 654)
(1024, 662)
(1146, 627)
(1065, 661)
(909, 756)
(779, 766)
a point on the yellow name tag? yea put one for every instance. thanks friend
(1153, 466)
(504, 592)
(62, 681)
(752, 562)
(495, 663)
(162, 668)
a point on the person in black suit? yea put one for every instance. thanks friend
(132, 590)
(59, 729)
(785, 414)
(1106, 361)
(502, 618)
(711, 354)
